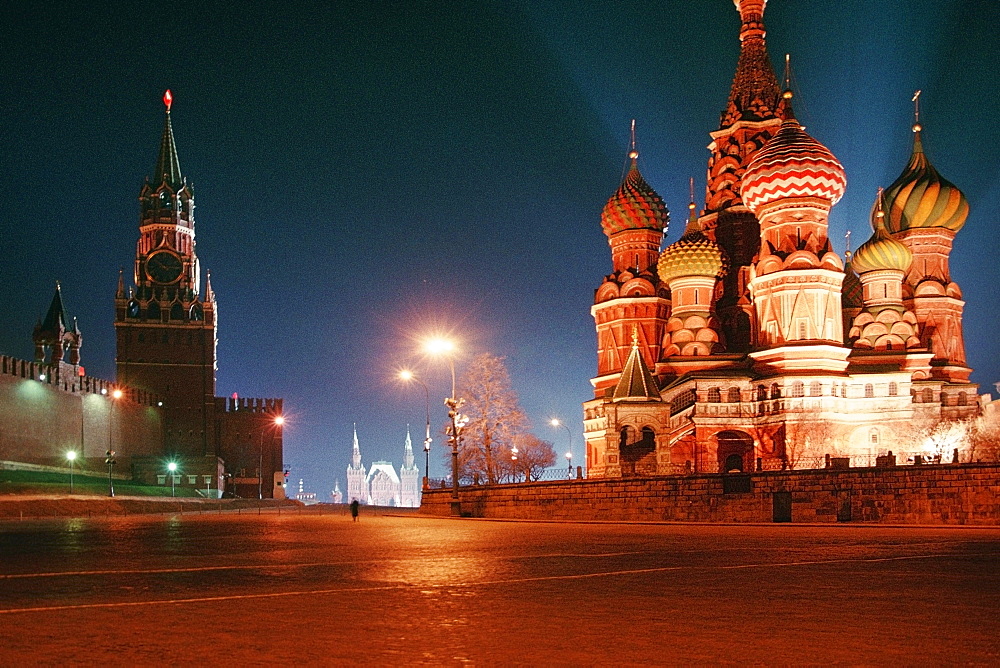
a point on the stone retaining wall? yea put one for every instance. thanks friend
(940, 494)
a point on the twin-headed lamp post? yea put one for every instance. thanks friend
(556, 422)
(458, 421)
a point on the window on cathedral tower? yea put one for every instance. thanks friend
(869, 390)
(798, 389)
(733, 396)
(893, 389)
(714, 395)
(815, 389)
(775, 391)
(928, 395)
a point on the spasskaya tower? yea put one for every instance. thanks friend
(165, 324)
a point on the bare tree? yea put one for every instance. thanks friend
(495, 418)
(534, 455)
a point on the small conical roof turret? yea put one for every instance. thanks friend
(356, 451)
(168, 166)
(55, 321)
(636, 382)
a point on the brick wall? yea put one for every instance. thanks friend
(940, 494)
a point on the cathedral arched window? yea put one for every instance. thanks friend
(761, 393)
(775, 391)
(733, 396)
(963, 399)
(714, 395)
(798, 389)
(928, 395)
(153, 311)
(176, 312)
(196, 313)
(133, 309)
(815, 389)
(893, 389)
(869, 390)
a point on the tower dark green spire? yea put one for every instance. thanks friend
(168, 167)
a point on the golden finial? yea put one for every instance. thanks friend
(691, 188)
(916, 111)
(633, 153)
(847, 244)
(879, 213)
(635, 337)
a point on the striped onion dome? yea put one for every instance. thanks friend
(792, 165)
(694, 254)
(852, 293)
(881, 251)
(920, 197)
(635, 205)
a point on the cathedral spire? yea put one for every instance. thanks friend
(754, 94)
(356, 450)
(408, 451)
(168, 167)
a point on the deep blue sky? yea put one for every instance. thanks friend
(371, 172)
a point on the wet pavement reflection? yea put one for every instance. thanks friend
(418, 590)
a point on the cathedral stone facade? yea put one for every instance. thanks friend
(380, 485)
(749, 344)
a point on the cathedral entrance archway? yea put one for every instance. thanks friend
(638, 456)
(735, 451)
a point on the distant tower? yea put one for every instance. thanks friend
(357, 486)
(337, 495)
(409, 475)
(165, 327)
(632, 297)
(54, 337)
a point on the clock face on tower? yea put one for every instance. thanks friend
(164, 267)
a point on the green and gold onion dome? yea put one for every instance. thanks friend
(881, 251)
(694, 254)
(921, 198)
(635, 205)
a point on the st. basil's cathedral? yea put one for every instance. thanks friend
(749, 343)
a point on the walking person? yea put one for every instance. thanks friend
(354, 509)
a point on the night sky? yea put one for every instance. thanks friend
(368, 173)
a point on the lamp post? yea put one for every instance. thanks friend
(408, 376)
(513, 462)
(110, 460)
(276, 424)
(172, 467)
(71, 456)
(446, 347)
(556, 422)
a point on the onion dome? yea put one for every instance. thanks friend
(852, 292)
(881, 251)
(920, 197)
(694, 254)
(635, 206)
(792, 165)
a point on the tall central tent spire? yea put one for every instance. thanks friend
(754, 94)
(168, 166)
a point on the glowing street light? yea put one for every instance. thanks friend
(277, 422)
(110, 460)
(556, 422)
(407, 375)
(71, 457)
(172, 467)
(446, 347)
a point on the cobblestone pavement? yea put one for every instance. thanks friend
(315, 589)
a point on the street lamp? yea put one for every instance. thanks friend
(556, 422)
(277, 422)
(172, 467)
(71, 456)
(407, 376)
(110, 459)
(439, 346)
